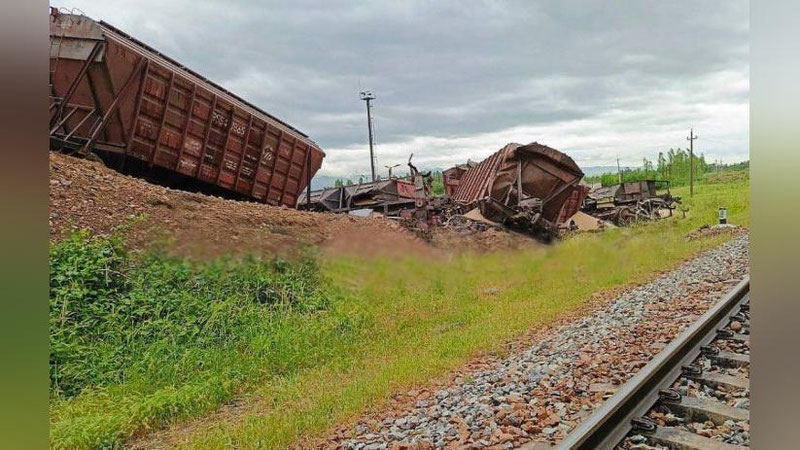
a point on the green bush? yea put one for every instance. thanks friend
(86, 280)
(138, 330)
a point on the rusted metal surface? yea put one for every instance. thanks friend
(474, 183)
(523, 185)
(573, 204)
(451, 177)
(630, 202)
(528, 188)
(636, 190)
(412, 194)
(112, 94)
(384, 196)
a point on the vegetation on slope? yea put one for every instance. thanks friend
(138, 340)
(149, 339)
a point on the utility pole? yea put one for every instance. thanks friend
(368, 96)
(619, 173)
(691, 139)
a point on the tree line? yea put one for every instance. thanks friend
(672, 165)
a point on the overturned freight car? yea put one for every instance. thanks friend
(525, 187)
(385, 196)
(452, 176)
(115, 96)
(630, 202)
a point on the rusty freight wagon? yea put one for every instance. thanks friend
(114, 95)
(452, 176)
(385, 196)
(527, 187)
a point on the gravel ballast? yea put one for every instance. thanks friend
(545, 391)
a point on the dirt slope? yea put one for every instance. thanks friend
(87, 195)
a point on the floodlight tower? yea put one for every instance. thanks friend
(390, 169)
(368, 96)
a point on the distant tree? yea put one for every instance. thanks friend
(647, 165)
(662, 165)
(438, 183)
(673, 167)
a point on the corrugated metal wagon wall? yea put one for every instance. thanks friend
(112, 93)
(518, 172)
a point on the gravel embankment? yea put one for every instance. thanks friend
(542, 393)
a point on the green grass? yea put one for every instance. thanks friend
(727, 177)
(374, 327)
(139, 340)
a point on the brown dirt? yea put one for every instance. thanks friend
(479, 241)
(708, 231)
(87, 195)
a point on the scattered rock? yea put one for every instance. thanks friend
(547, 387)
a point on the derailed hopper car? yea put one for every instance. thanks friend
(385, 196)
(526, 187)
(114, 95)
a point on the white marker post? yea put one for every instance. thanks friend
(723, 215)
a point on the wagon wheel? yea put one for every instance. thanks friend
(625, 217)
(658, 205)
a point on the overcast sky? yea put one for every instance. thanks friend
(460, 79)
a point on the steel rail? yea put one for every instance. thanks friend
(609, 425)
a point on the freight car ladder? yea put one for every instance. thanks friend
(57, 46)
(61, 109)
(60, 116)
(64, 110)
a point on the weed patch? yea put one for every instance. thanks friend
(139, 340)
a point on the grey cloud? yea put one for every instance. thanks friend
(453, 69)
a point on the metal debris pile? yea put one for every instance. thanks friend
(527, 188)
(531, 189)
(630, 202)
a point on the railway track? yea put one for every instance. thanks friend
(692, 395)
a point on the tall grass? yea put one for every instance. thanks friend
(372, 327)
(137, 341)
(431, 316)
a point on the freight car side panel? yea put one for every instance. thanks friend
(475, 182)
(172, 117)
(194, 132)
